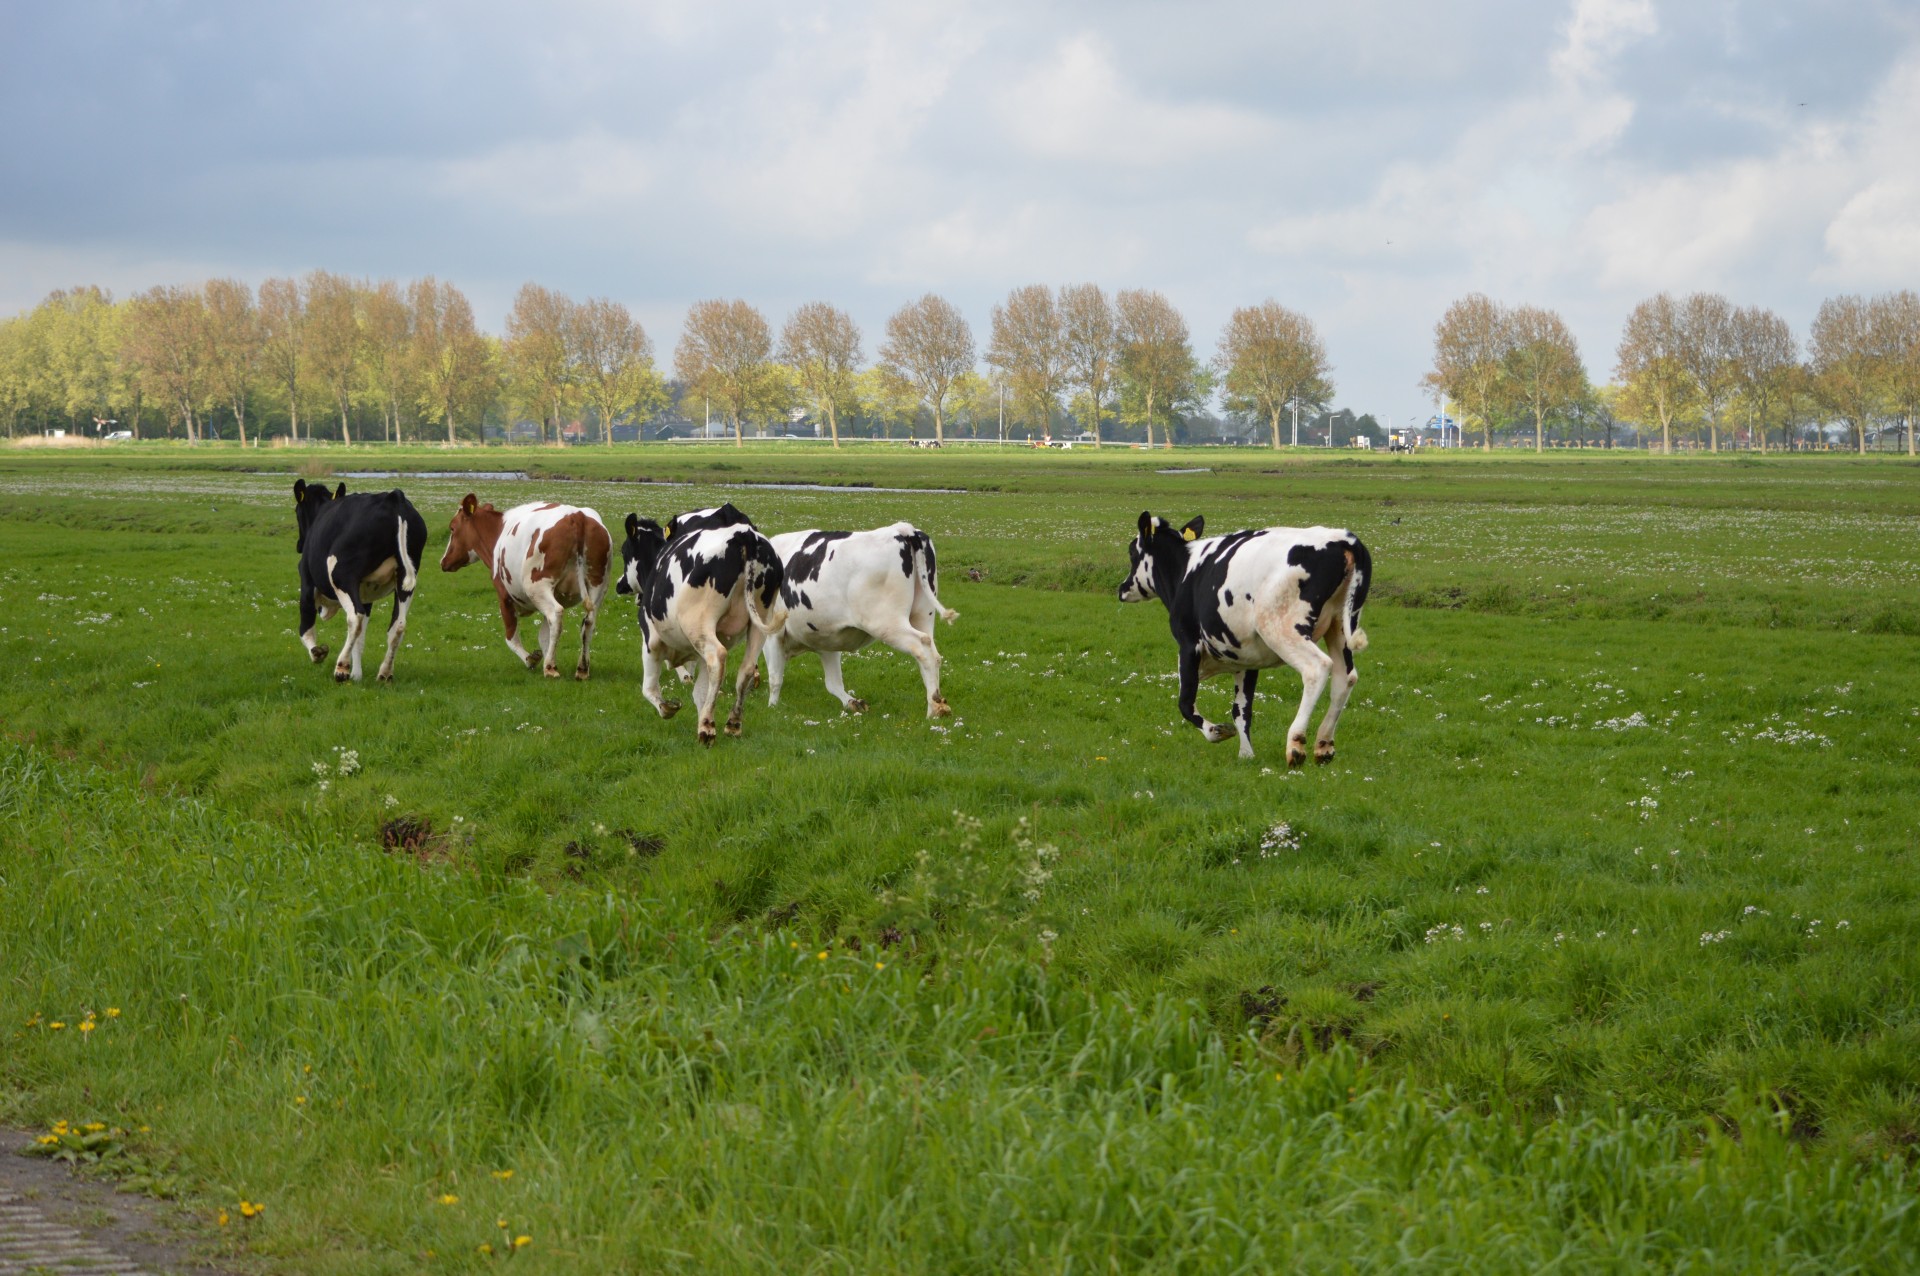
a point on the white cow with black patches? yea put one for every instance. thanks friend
(1251, 600)
(699, 593)
(844, 590)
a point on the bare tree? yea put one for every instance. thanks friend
(1896, 342)
(333, 339)
(886, 399)
(822, 346)
(929, 346)
(1762, 353)
(612, 358)
(1471, 344)
(1270, 357)
(1028, 346)
(283, 323)
(453, 362)
(723, 352)
(234, 340)
(1655, 386)
(1156, 362)
(538, 365)
(168, 343)
(1841, 352)
(386, 331)
(1544, 372)
(1092, 337)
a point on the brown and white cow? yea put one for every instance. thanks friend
(544, 558)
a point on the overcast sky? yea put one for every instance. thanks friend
(1365, 163)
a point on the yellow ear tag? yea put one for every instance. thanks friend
(1186, 533)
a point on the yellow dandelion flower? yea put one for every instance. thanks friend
(223, 1218)
(503, 1176)
(299, 1100)
(486, 1247)
(448, 1198)
(113, 1012)
(879, 965)
(521, 1242)
(500, 1223)
(46, 1139)
(821, 956)
(87, 1026)
(791, 944)
(94, 1127)
(56, 1025)
(306, 1067)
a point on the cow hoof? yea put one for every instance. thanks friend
(706, 736)
(319, 654)
(669, 707)
(1296, 753)
(342, 675)
(855, 705)
(1219, 735)
(580, 674)
(940, 709)
(733, 727)
(385, 675)
(552, 671)
(755, 684)
(1323, 752)
(533, 660)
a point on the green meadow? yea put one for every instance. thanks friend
(1593, 949)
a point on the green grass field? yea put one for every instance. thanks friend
(1595, 947)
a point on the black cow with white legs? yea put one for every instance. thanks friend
(844, 590)
(702, 584)
(355, 550)
(1251, 600)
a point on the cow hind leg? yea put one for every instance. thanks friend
(746, 679)
(910, 641)
(402, 600)
(347, 666)
(836, 686)
(706, 686)
(776, 651)
(550, 638)
(589, 613)
(1189, 700)
(1341, 689)
(650, 664)
(1314, 666)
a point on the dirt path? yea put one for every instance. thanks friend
(51, 1221)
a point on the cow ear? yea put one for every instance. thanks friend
(299, 490)
(633, 524)
(1192, 530)
(1146, 523)
(468, 502)
(340, 491)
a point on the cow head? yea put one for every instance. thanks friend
(308, 500)
(471, 535)
(1158, 557)
(700, 520)
(641, 550)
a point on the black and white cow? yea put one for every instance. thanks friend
(1250, 600)
(844, 590)
(701, 584)
(353, 551)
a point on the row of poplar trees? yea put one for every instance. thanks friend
(326, 352)
(1698, 364)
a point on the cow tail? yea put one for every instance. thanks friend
(1359, 576)
(927, 578)
(764, 576)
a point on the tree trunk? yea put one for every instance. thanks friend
(833, 423)
(346, 431)
(739, 440)
(1539, 435)
(449, 424)
(1666, 434)
(1149, 418)
(240, 419)
(939, 423)
(1909, 419)
(1273, 418)
(1713, 435)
